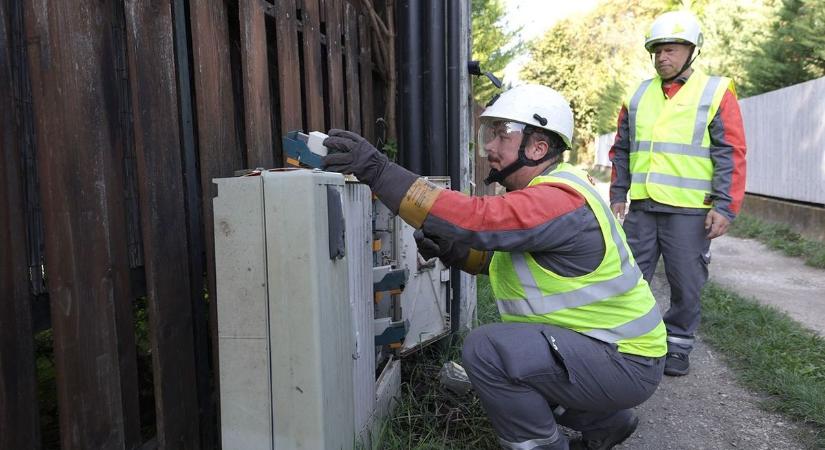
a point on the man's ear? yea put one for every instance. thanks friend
(538, 150)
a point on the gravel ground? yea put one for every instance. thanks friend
(707, 409)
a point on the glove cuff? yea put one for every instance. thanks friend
(476, 261)
(392, 184)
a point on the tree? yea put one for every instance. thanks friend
(595, 60)
(795, 49)
(733, 32)
(493, 45)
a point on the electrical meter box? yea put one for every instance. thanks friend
(285, 323)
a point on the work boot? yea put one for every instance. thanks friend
(677, 364)
(609, 438)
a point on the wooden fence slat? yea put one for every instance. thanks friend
(163, 220)
(367, 113)
(335, 77)
(217, 139)
(289, 75)
(256, 84)
(80, 155)
(353, 56)
(197, 264)
(18, 390)
(313, 76)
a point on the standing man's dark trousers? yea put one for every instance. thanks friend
(681, 240)
(523, 372)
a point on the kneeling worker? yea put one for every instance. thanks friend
(582, 336)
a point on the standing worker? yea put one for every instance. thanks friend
(680, 151)
(582, 335)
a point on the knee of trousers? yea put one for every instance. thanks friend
(475, 353)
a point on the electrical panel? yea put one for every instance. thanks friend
(285, 324)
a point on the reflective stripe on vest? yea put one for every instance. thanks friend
(535, 303)
(675, 173)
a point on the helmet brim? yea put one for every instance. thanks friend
(649, 46)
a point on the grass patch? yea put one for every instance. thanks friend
(771, 354)
(429, 417)
(780, 237)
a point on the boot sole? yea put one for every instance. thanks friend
(676, 373)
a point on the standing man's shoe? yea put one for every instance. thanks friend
(677, 364)
(606, 439)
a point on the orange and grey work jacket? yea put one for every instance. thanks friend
(558, 256)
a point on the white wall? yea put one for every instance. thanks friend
(785, 131)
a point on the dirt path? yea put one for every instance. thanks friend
(707, 409)
(750, 269)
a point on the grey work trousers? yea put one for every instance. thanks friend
(681, 239)
(522, 371)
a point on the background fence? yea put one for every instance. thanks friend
(785, 131)
(115, 115)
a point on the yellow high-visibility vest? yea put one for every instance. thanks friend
(670, 143)
(613, 303)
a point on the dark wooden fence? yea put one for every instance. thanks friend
(115, 115)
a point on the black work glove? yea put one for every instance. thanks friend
(350, 153)
(431, 246)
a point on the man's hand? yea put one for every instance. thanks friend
(716, 224)
(350, 153)
(431, 246)
(619, 210)
(426, 245)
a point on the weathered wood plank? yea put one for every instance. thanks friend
(313, 68)
(163, 219)
(256, 84)
(335, 72)
(367, 113)
(18, 390)
(197, 264)
(80, 155)
(289, 74)
(353, 57)
(217, 139)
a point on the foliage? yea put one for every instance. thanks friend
(493, 45)
(769, 353)
(795, 49)
(595, 60)
(734, 31)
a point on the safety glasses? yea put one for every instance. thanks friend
(496, 129)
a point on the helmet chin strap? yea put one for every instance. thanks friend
(498, 176)
(687, 64)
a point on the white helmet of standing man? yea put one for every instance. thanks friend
(674, 27)
(534, 105)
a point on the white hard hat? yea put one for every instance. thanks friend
(534, 105)
(679, 27)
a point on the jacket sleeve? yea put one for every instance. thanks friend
(620, 159)
(538, 218)
(727, 152)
